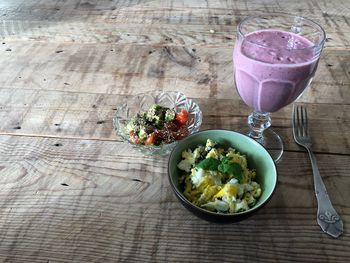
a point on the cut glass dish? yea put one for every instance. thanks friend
(142, 102)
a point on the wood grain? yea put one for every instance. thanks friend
(72, 191)
(201, 73)
(85, 200)
(90, 116)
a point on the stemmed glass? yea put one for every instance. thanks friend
(275, 59)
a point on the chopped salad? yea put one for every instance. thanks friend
(158, 125)
(218, 179)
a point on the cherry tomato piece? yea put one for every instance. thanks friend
(134, 138)
(151, 139)
(182, 117)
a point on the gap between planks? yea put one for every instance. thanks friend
(58, 137)
(117, 140)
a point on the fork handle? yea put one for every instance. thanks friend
(327, 217)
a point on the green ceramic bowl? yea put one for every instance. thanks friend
(258, 159)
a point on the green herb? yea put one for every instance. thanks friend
(209, 164)
(223, 166)
(233, 169)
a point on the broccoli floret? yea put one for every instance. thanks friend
(136, 123)
(169, 115)
(154, 114)
(158, 114)
(155, 118)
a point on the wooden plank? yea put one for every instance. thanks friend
(89, 116)
(92, 201)
(330, 13)
(71, 191)
(124, 69)
(140, 33)
(151, 22)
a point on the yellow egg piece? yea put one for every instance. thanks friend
(208, 193)
(213, 154)
(206, 182)
(228, 190)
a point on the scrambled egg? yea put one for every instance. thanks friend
(217, 179)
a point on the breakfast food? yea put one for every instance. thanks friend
(218, 179)
(158, 125)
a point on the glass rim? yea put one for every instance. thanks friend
(315, 24)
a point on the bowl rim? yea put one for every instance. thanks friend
(154, 93)
(202, 210)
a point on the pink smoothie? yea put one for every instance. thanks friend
(272, 68)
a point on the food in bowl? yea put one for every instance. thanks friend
(130, 106)
(218, 179)
(256, 155)
(158, 125)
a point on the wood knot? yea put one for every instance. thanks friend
(181, 56)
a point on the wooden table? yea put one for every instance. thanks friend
(72, 191)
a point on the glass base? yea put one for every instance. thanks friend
(271, 141)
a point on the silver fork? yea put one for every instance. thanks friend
(327, 217)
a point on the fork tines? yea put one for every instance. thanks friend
(300, 121)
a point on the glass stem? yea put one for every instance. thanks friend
(258, 122)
